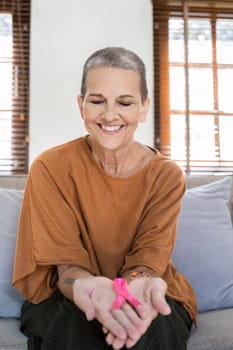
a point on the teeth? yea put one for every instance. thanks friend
(110, 127)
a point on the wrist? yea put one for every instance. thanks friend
(138, 273)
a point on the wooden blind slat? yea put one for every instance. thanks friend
(18, 111)
(163, 10)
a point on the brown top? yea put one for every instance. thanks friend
(74, 213)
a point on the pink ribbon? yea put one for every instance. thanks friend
(121, 288)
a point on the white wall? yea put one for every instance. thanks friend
(63, 35)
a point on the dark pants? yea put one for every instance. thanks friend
(57, 323)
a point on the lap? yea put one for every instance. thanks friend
(167, 332)
(58, 323)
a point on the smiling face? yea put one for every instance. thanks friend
(112, 107)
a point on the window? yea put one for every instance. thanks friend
(14, 85)
(193, 45)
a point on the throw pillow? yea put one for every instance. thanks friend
(204, 247)
(10, 299)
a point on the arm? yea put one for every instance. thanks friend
(42, 242)
(67, 275)
(149, 256)
(156, 233)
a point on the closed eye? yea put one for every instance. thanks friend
(125, 104)
(97, 102)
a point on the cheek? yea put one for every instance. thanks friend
(88, 113)
(134, 117)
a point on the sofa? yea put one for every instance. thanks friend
(203, 204)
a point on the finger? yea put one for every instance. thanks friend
(160, 304)
(115, 342)
(118, 344)
(128, 324)
(85, 304)
(105, 330)
(134, 318)
(131, 342)
(111, 324)
(158, 297)
(142, 311)
(110, 338)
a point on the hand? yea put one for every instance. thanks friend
(95, 296)
(151, 292)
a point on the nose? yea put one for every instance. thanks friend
(110, 113)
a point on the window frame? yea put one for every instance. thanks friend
(162, 12)
(18, 161)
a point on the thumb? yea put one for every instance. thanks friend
(160, 304)
(158, 297)
(84, 302)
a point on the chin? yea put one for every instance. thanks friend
(111, 146)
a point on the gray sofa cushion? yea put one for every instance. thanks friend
(204, 237)
(10, 204)
(10, 336)
(214, 331)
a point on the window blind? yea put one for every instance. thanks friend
(193, 72)
(14, 85)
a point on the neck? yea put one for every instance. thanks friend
(113, 162)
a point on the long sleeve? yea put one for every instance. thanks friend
(156, 234)
(48, 235)
(75, 214)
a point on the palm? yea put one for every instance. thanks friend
(95, 296)
(151, 293)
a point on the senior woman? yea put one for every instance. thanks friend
(98, 226)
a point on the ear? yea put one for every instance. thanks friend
(144, 110)
(80, 104)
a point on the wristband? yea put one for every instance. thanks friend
(121, 288)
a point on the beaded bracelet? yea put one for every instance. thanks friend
(138, 274)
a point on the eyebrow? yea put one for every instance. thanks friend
(100, 95)
(95, 95)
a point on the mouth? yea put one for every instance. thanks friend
(110, 129)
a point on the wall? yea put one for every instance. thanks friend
(63, 35)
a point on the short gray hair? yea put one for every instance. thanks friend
(116, 57)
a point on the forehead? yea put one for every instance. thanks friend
(105, 78)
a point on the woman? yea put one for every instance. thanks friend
(98, 226)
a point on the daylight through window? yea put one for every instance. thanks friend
(193, 77)
(5, 87)
(14, 86)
